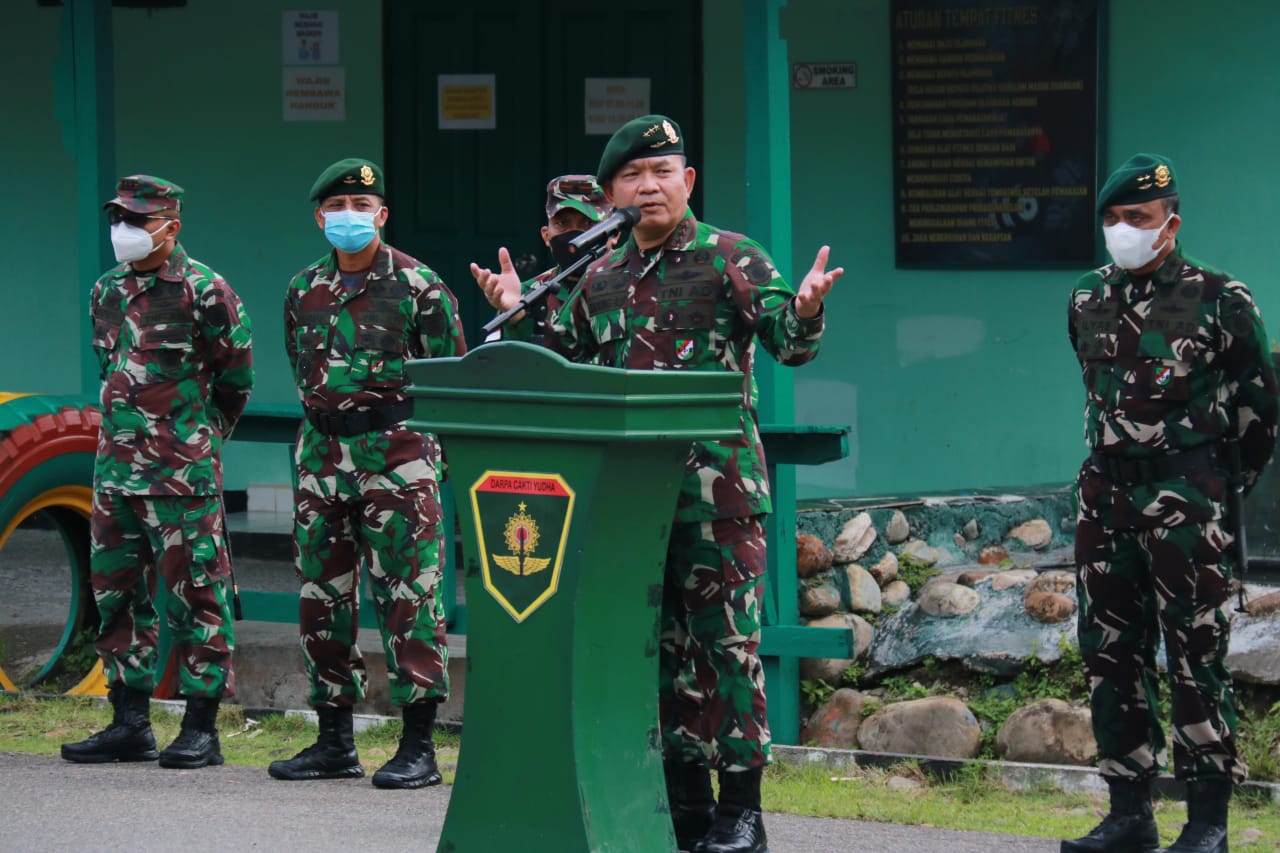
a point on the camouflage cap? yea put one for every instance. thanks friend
(352, 176)
(646, 136)
(147, 194)
(577, 192)
(1142, 178)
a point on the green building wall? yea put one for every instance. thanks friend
(958, 380)
(950, 380)
(198, 100)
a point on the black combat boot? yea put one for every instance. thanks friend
(332, 756)
(739, 823)
(414, 764)
(128, 738)
(197, 743)
(693, 803)
(1129, 828)
(1206, 829)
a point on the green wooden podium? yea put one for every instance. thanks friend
(565, 478)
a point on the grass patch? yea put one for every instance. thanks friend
(971, 799)
(40, 725)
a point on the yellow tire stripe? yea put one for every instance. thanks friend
(80, 499)
(93, 684)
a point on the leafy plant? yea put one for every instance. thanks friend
(852, 675)
(991, 710)
(1059, 679)
(815, 693)
(80, 655)
(914, 572)
(900, 688)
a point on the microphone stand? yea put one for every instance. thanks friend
(552, 285)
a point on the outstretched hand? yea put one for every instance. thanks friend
(816, 285)
(501, 288)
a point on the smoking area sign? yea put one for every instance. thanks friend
(824, 75)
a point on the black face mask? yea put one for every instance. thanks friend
(560, 249)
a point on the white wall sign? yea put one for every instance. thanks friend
(610, 102)
(309, 38)
(315, 93)
(467, 101)
(824, 75)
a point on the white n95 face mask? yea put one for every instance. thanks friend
(132, 243)
(1131, 247)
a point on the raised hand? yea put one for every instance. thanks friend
(501, 288)
(816, 285)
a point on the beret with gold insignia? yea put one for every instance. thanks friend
(352, 176)
(147, 194)
(646, 136)
(577, 192)
(1142, 178)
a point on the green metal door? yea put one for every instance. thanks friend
(455, 196)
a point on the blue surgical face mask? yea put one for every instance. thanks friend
(350, 230)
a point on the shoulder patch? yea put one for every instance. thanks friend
(1237, 315)
(755, 267)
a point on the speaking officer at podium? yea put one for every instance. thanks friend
(1180, 402)
(679, 294)
(367, 487)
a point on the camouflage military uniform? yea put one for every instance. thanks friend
(699, 302)
(368, 491)
(174, 352)
(534, 330)
(1174, 364)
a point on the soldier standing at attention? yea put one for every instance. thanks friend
(682, 295)
(175, 358)
(574, 204)
(1178, 378)
(368, 489)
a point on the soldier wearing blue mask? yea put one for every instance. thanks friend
(367, 486)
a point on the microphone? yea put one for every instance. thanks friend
(623, 217)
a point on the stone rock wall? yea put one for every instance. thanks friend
(983, 580)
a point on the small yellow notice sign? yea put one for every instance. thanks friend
(467, 102)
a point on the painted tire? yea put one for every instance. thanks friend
(47, 445)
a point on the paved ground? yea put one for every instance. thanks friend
(47, 804)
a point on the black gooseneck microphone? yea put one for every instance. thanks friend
(624, 217)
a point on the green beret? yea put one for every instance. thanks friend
(647, 136)
(147, 194)
(577, 192)
(1142, 178)
(352, 176)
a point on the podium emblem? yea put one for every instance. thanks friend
(522, 539)
(522, 522)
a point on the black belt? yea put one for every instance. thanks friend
(1122, 469)
(355, 423)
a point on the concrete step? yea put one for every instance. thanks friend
(270, 673)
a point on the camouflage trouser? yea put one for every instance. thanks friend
(1136, 586)
(711, 699)
(348, 515)
(131, 536)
